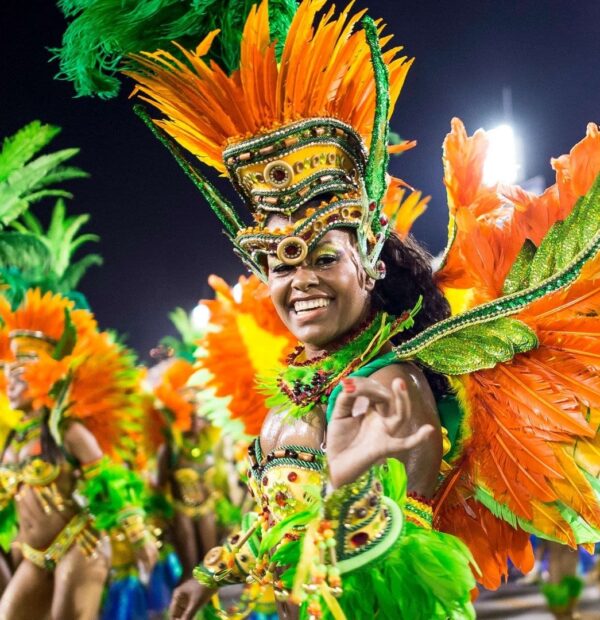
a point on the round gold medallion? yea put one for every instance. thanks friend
(292, 250)
(278, 173)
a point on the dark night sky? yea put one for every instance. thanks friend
(160, 242)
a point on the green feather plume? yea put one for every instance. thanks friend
(25, 180)
(101, 33)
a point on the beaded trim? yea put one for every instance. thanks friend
(259, 464)
(302, 385)
(337, 214)
(418, 510)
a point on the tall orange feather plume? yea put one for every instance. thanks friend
(489, 224)
(325, 71)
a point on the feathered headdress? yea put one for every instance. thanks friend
(291, 101)
(312, 126)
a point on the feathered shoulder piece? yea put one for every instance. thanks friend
(523, 351)
(75, 370)
(246, 339)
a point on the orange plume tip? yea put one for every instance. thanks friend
(325, 71)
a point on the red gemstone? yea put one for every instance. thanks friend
(383, 220)
(265, 481)
(359, 539)
(291, 250)
(372, 206)
(332, 218)
(281, 498)
(292, 476)
(278, 174)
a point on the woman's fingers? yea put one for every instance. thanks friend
(355, 388)
(399, 444)
(402, 408)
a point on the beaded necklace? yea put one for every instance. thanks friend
(303, 384)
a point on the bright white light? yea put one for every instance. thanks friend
(200, 317)
(237, 293)
(501, 164)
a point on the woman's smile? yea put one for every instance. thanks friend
(324, 297)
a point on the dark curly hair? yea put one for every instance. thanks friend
(408, 276)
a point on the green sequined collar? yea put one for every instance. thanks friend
(302, 385)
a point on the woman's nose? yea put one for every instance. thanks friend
(304, 277)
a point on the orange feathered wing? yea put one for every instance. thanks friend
(529, 453)
(246, 339)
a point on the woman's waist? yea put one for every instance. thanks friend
(38, 528)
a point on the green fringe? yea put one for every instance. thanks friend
(560, 596)
(157, 505)
(426, 575)
(114, 489)
(103, 32)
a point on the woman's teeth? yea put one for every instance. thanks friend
(311, 304)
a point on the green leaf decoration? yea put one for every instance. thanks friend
(68, 339)
(31, 182)
(101, 33)
(23, 251)
(518, 276)
(378, 152)
(478, 346)
(18, 149)
(561, 245)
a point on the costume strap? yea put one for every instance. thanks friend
(365, 371)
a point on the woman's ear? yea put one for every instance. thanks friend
(369, 284)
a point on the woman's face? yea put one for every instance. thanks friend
(17, 388)
(324, 297)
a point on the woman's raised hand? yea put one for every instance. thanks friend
(370, 422)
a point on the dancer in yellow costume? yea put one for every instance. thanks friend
(74, 389)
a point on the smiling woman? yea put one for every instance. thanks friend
(344, 405)
(324, 297)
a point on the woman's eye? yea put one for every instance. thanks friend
(281, 269)
(326, 259)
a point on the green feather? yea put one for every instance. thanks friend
(559, 247)
(8, 526)
(477, 346)
(101, 33)
(518, 277)
(112, 490)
